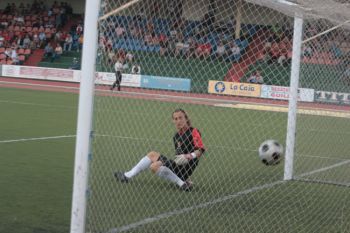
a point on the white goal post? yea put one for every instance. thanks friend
(85, 115)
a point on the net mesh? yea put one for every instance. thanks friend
(228, 64)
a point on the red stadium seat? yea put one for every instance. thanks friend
(2, 56)
(2, 49)
(20, 51)
(21, 58)
(27, 51)
(2, 61)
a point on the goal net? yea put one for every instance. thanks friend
(232, 66)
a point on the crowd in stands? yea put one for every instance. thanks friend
(278, 46)
(178, 38)
(24, 28)
(331, 48)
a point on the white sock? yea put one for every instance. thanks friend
(143, 164)
(168, 174)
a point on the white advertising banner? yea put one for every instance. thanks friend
(10, 71)
(129, 80)
(66, 75)
(282, 93)
(332, 97)
(39, 73)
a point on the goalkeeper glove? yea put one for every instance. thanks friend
(184, 158)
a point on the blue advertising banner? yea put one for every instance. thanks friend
(165, 83)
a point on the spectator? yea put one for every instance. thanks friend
(42, 39)
(274, 53)
(68, 43)
(48, 51)
(14, 57)
(57, 53)
(129, 57)
(148, 39)
(75, 64)
(192, 45)
(8, 53)
(256, 78)
(203, 49)
(26, 42)
(111, 56)
(307, 50)
(180, 45)
(163, 43)
(120, 31)
(220, 52)
(79, 29)
(80, 42)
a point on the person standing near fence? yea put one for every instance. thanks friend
(118, 67)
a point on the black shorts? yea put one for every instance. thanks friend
(182, 171)
(118, 76)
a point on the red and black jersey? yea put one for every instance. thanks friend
(188, 141)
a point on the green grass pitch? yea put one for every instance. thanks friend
(233, 190)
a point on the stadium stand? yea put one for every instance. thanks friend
(26, 29)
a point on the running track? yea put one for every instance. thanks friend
(170, 96)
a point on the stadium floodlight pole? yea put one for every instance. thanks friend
(84, 124)
(293, 97)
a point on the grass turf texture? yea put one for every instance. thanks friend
(37, 175)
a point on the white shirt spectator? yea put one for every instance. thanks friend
(14, 56)
(118, 66)
(235, 50)
(26, 42)
(256, 78)
(120, 31)
(220, 50)
(129, 57)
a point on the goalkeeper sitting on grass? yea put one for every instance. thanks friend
(188, 149)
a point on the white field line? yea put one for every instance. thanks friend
(215, 201)
(36, 139)
(36, 104)
(40, 85)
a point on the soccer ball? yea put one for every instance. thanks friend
(271, 152)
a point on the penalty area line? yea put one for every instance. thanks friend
(216, 201)
(37, 139)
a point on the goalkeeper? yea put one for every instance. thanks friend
(188, 150)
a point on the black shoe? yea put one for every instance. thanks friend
(186, 187)
(121, 177)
